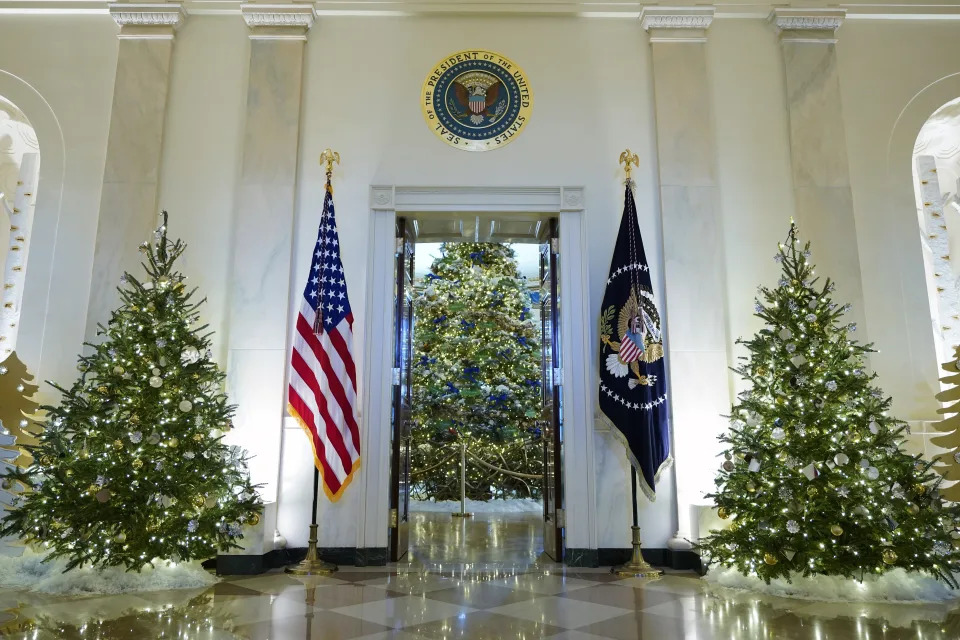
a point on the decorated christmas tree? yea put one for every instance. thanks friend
(948, 464)
(814, 480)
(17, 409)
(476, 377)
(131, 466)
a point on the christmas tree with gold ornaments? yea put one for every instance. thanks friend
(813, 480)
(476, 377)
(131, 466)
(948, 464)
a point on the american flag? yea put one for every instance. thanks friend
(323, 378)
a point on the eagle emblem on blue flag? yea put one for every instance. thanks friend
(633, 386)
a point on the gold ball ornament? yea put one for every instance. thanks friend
(913, 509)
(198, 501)
(751, 487)
(920, 489)
(134, 419)
(118, 370)
(854, 437)
(889, 556)
(210, 502)
(812, 491)
(254, 520)
(120, 537)
(836, 530)
(722, 513)
(137, 463)
(68, 472)
(770, 559)
(92, 489)
(198, 437)
(173, 443)
(118, 444)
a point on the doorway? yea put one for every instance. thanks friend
(476, 411)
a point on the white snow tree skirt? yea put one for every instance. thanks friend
(30, 573)
(893, 586)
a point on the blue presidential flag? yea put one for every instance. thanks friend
(633, 385)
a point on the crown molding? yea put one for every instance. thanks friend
(277, 15)
(677, 24)
(892, 10)
(153, 20)
(807, 25)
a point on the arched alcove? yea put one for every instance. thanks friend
(19, 175)
(35, 301)
(936, 178)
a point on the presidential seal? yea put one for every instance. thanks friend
(477, 100)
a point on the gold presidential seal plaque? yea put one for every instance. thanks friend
(477, 100)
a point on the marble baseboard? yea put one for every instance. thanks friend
(573, 557)
(342, 556)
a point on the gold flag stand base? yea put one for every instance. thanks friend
(312, 565)
(458, 514)
(637, 567)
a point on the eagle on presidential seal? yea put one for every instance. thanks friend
(640, 338)
(478, 97)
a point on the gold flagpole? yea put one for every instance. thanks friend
(637, 566)
(312, 565)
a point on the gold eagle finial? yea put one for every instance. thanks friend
(629, 160)
(329, 157)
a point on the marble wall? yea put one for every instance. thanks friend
(128, 196)
(696, 335)
(260, 289)
(878, 83)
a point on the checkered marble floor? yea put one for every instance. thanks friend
(408, 603)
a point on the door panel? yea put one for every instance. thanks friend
(551, 420)
(402, 392)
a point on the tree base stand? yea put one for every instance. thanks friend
(461, 514)
(312, 565)
(637, 567)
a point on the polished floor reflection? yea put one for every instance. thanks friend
(377, 603)
(511, 541)
(446, 590)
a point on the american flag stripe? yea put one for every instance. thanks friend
(323, 380)
(309, 389)
(629, 350)
(299, 408)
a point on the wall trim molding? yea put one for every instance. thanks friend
(568, 204)
(155, 20)
(614, 9)
(807, 25)
(278, 21)
(677, 24)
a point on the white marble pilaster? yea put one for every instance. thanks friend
(128, 198)
(259, 300)
(818, 148)
(695, 311)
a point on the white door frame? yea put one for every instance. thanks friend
(567, 203)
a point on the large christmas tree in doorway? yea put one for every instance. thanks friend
(476, 377)
(814, 481)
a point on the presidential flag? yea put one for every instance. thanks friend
(323, 379)
(633, 385)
